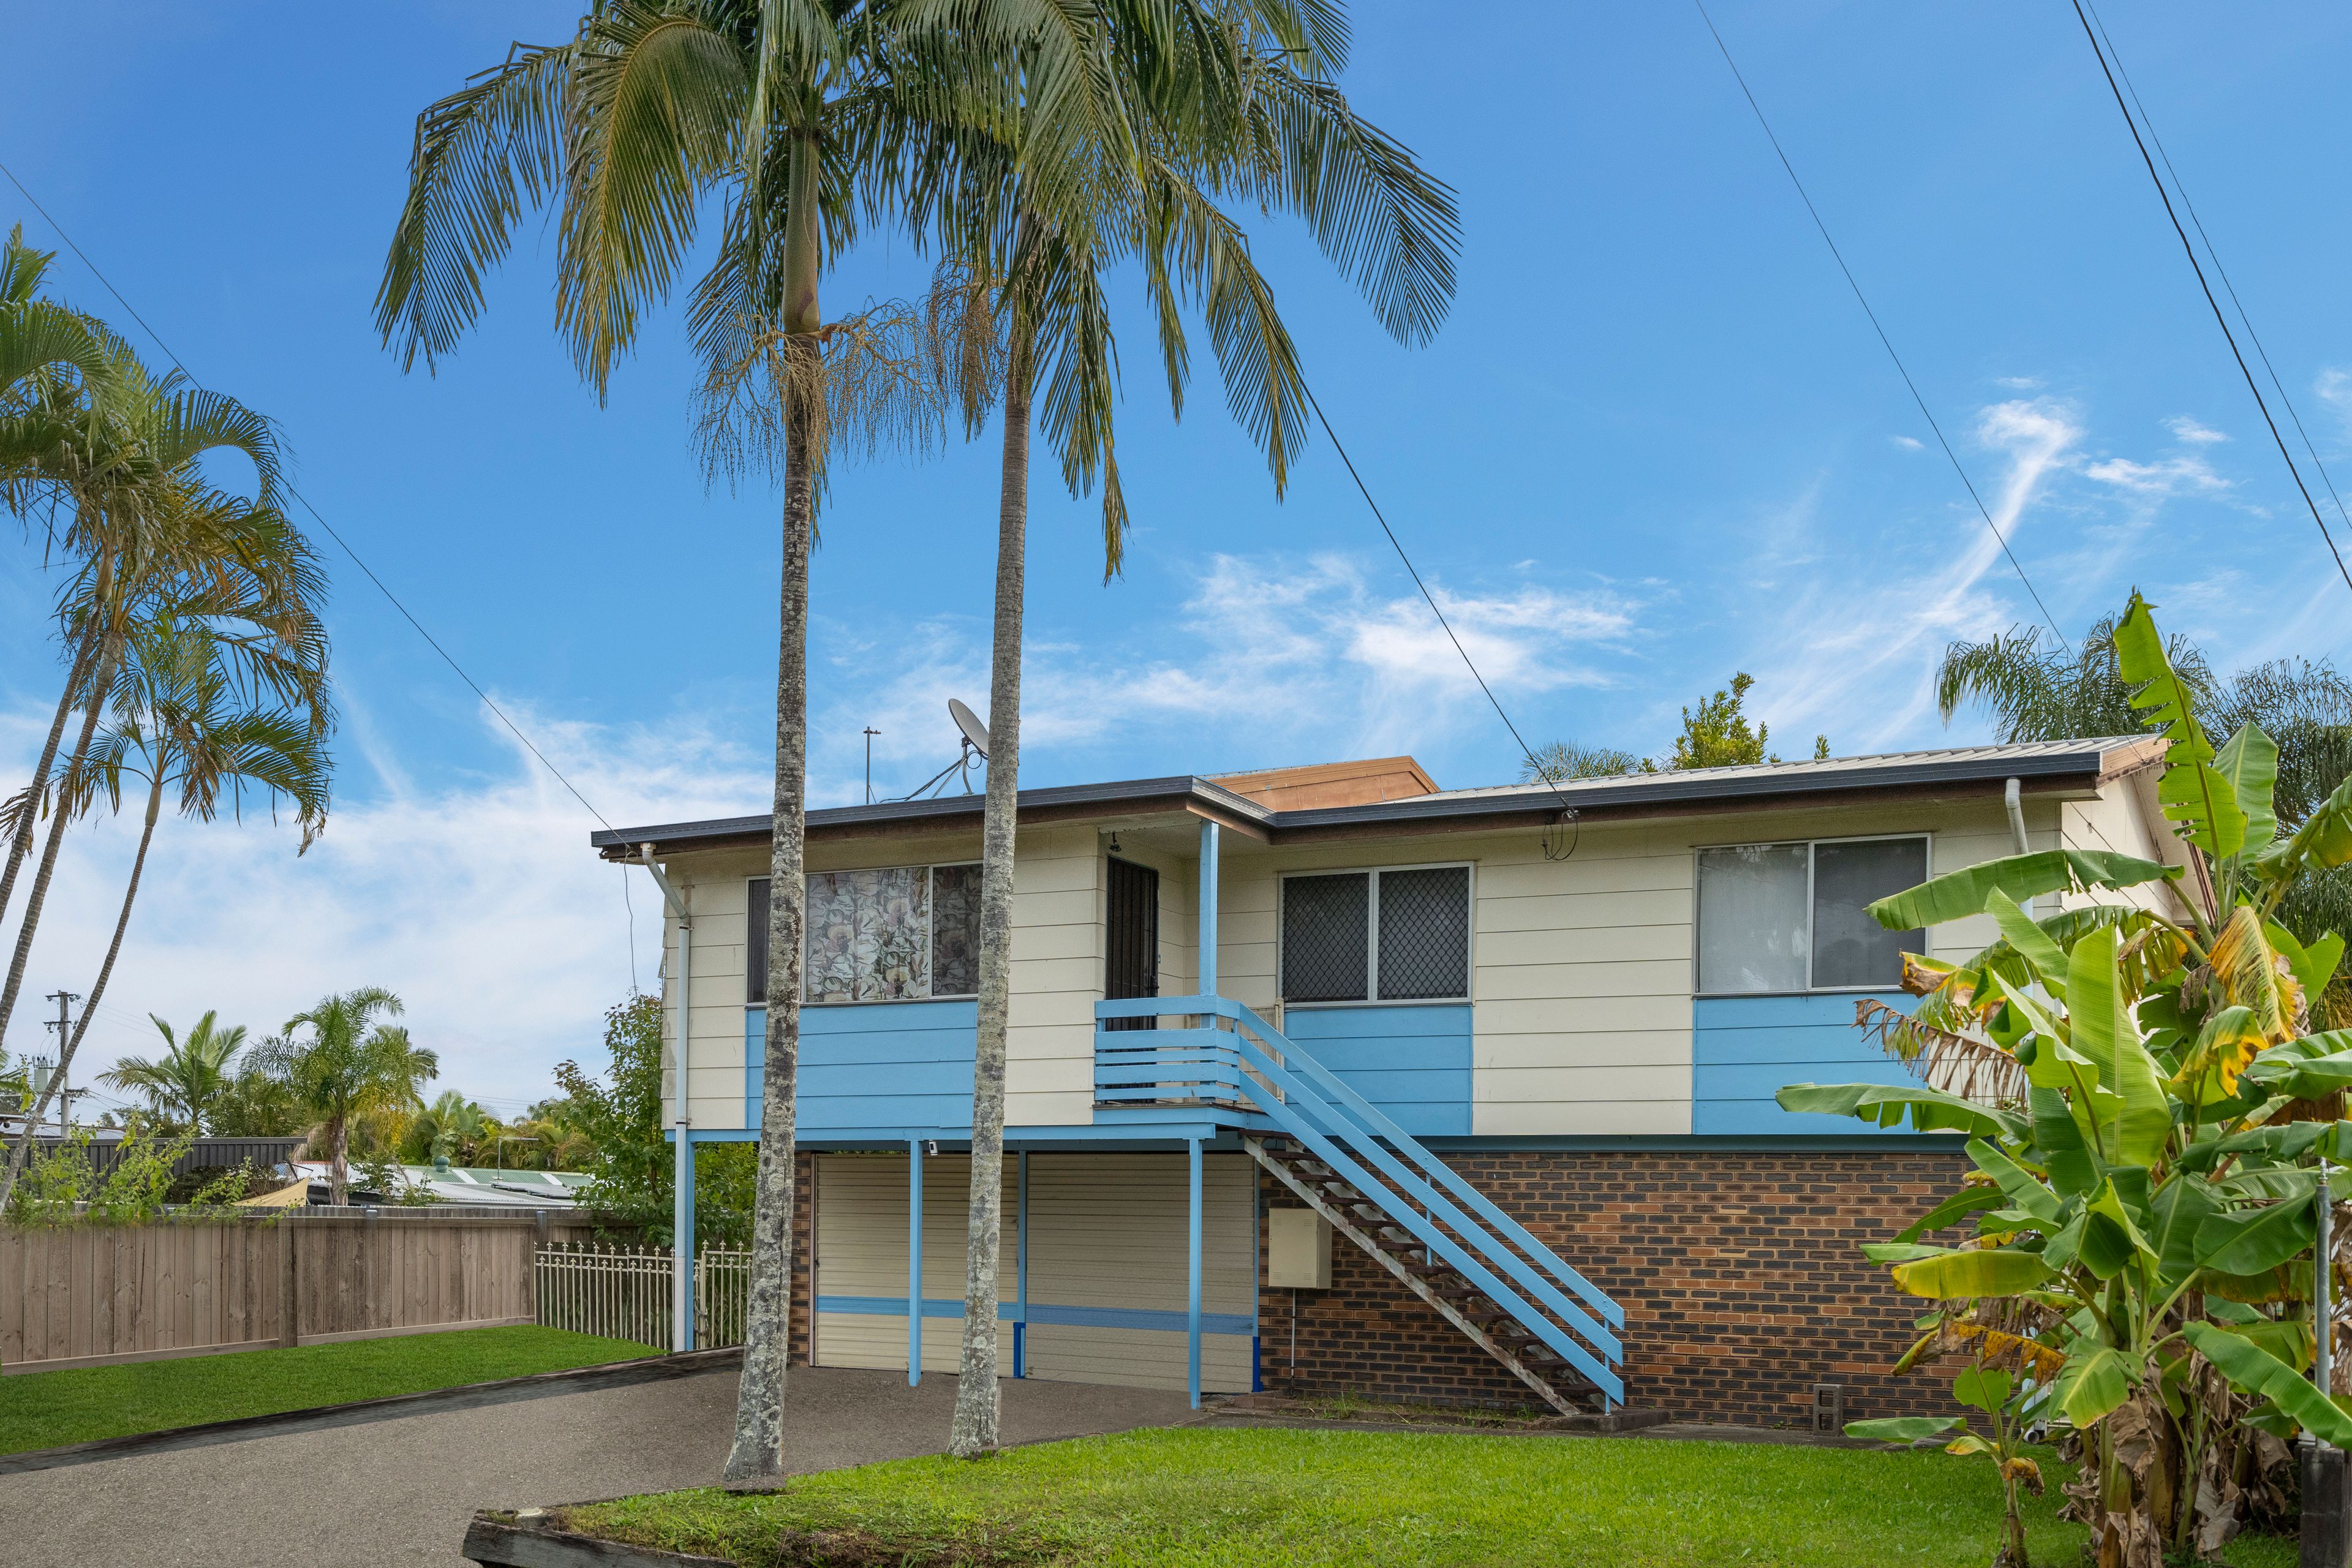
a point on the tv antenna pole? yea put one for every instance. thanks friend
(870, 732)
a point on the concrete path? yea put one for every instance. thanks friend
(396, 1493)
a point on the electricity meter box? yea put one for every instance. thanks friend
(1298, 1251)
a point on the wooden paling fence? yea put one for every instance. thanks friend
(626, 1292)
(96, 1295)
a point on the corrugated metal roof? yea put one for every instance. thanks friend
(2084, 762)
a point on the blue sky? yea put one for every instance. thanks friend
(1654, 443)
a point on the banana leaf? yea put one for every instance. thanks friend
(1907, 1428)
(1958, 894)
(2030, 942)
(2264, 1376)
(2022, 1188)
(2183, 1204)
(2315, 965)
(2193, 791)
(2323, 840)
(2059, 1137)
(2249, 762)
(1887, 1105)
(2302, 1078)
(2254, 1241)
(1959, 1207)
(1976, 1272)
(2096, 1379)
(2136, 1128)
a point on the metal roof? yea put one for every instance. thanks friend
(2040, 764)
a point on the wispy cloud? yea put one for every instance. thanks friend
(2186, 429)
(1908, 443)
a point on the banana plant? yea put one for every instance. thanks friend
(2008, 1403)
(2146, 1194)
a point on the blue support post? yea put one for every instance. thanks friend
(914, 1261)
(1192, 1297)
(1021, 1272)
(1207, 933)
(682, 1249)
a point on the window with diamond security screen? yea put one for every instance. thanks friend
(1424, 933)
(1325, 936)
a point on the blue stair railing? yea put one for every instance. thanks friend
(1232, 1060)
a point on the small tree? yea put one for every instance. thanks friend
(615, 1130)
(1719, 734)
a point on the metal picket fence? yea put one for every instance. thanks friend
(624, 1292)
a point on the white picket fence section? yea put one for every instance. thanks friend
(624, 1292)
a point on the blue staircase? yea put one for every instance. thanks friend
(1441, 1237)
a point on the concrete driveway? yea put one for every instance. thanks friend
(396, 1493)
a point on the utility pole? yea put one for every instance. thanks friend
(63, 1024)
(870, 732)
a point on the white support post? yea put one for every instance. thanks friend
(681, 1333)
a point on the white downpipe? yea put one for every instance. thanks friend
(2013, 796)
(681, 1331)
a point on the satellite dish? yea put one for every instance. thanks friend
(969, 722)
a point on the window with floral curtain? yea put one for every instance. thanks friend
(900, 933)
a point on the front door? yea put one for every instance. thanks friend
(1133, 965)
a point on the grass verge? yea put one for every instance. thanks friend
(46, 1409)
(1224, 1497)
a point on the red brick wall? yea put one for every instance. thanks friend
(1738, 1273)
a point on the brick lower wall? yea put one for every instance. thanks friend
(797, 1337)
(1738, 1273)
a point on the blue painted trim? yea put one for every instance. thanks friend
(1412, 1059)
(1205, 926)
(1257, 1376)
(1021, 1268)
(1153, 1319)
(1192, 1294)
(915, 1263)
(1129, 1137)
(1745, 1049)
(874, 1063)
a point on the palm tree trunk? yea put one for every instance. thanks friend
(973, 1432)
(338, 1173)
(757, 1458)
(96, 989)
(40, 891)
(20, 848)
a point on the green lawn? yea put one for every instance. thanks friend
(1232, 1498)
(43, 1409)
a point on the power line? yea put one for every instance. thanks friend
(2213, 251)
(316, 515)
(2220, 320)
(1884, 341)
(1394, 543)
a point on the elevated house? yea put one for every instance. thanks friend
(1328, 1078)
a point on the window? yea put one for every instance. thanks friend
(900, 933)
(1795, 917)
(1400, 935)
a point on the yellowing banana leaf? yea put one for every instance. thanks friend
(2096, 1379)
(2193, 791)
(2287, 1282)
(2264, 1376)
(1976, 1272)
(2288, 1339)
(1887, 1105)
(2249, 973)
(2001, 1345)
(2249, 760)
(1899, 1251)
(1906, 1428)
(2136, 1128)
(2225, 1047)
(2257, 1240)
(1958, 894)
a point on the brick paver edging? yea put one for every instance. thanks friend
(611, 1375)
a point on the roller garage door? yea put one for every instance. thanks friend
(861, 1260)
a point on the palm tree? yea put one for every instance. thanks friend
(794, 111)
(1203, 103)
(122, 478)
(181, 721)
(257, 1104)
(184, 1086)
(348, 1068)
(452, 1125)
(2037, 692)
(1557, 760)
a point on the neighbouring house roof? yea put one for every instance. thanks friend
(2042, 767)
(477, 1184)
(105, 1150)
(1361, 783)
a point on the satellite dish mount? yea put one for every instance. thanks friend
(974, 736)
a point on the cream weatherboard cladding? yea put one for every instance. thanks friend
(861, 1255)
(1107, 1235)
